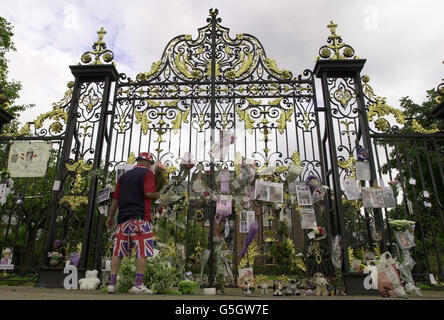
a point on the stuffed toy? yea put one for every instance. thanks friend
(277, 287)
(288, 291)
(321, 286)
(264, 288)
(90, 282)
(309, 290)
(331, 290)
(293, 284)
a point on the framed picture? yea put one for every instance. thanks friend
(243, 227)
(366, 194)
(351, 189)
(362, 170)
(318, 194)
(389, 197)
(378, 198)
(406, 239)
(304, 195)
(6, 260)
(308, 218)
(261, 190)
(275, 192)
(104, 195)
(372, 197)
(223, 206)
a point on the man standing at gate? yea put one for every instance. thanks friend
(134, 192)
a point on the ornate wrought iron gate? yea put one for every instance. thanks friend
(201, 89)
(204, 87)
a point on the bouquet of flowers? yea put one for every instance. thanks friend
(401, 225)
(186, 165)
(55, 255)
(319, 233)
(161, 176)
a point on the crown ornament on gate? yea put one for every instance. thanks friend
(100, 53)
(335, 49)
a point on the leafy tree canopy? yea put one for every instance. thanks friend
(9, 89)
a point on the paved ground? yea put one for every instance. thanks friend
(33, 293)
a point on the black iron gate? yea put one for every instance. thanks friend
(201, 91)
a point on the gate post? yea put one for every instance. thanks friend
(106, 74)
(339, 70)
(93, 71)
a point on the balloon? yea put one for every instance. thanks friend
(251, 233)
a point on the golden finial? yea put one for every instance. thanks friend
(335, 49)
(332, 26)
(99, 51)
(101, 34)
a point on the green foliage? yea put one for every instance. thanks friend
(284, 255)
(188, 287)
(415, 159)
(195, 233)
(126, 274)
(220, 282)
(420, 112)
(160, 276)
(9, 89)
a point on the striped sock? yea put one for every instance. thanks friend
(113, 279)
(138, 281)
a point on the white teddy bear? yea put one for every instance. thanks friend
(90, 282)
(321, 286)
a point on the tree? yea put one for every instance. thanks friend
(9, 89)
(423, 161)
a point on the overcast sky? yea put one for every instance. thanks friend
(403, 41)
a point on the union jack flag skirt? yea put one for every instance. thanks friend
(135, 234)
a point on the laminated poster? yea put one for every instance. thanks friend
(246, 219)
(269, 191)
(372, 198)
(362, 171)
(351, 189)
(308, 218)
(304, 195)
(28, 159)
(389, 197)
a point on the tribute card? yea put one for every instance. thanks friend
(367, 197)
(389, 197)
(308, 218)
(104, 195)
(275, 192)
(362, 171)
(261, 190)
(351, 189)
(304, 195)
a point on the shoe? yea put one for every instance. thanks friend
(141, 289)
(111, 289)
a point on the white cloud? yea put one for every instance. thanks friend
(401, 40)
